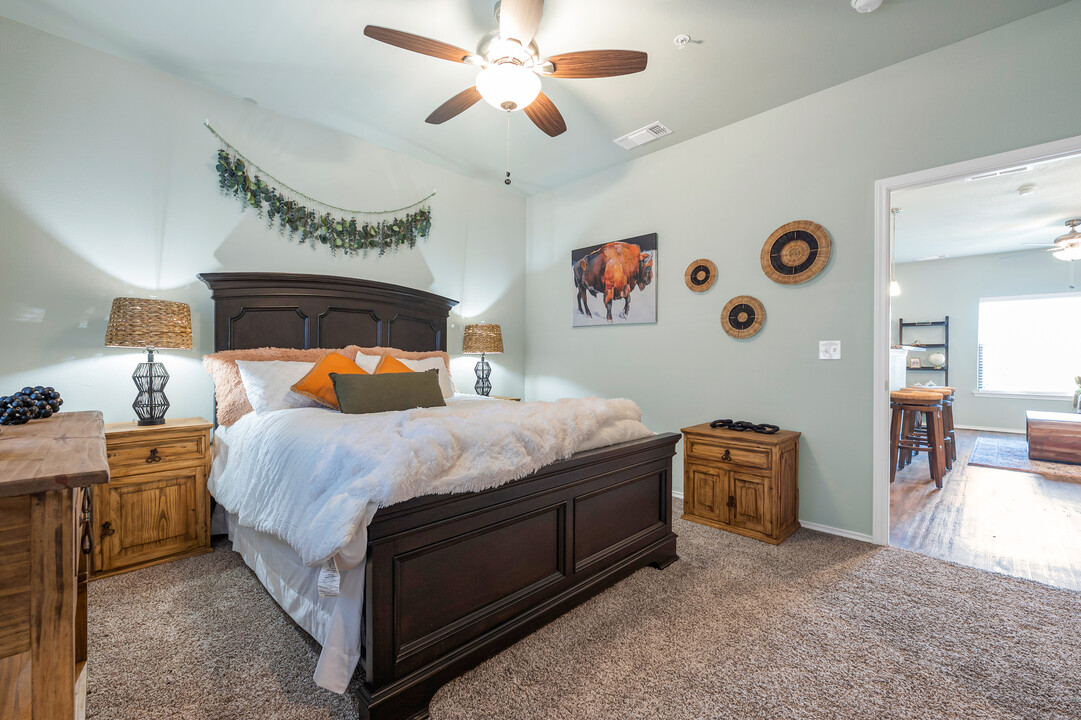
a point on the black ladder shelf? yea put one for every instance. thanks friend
(944, 345)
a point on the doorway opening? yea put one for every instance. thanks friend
(983, 301)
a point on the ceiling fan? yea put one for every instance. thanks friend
(512, 65)
(1067, 246)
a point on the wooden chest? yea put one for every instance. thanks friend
(743, 482)
(1054, 437)
(46, 468)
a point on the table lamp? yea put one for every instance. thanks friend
(480, 339)
(153, 325)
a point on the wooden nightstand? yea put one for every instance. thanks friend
(743, 482)
(156, 507)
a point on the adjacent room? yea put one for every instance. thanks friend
(500, 360)
(983, 300)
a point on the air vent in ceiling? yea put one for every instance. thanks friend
(1000, 173)
(642, 135)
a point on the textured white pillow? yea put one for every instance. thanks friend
(267, 384)
(367, 363)
(446, 385)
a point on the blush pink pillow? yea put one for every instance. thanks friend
(229, 388)
(352, 350)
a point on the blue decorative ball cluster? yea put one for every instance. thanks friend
(28, 404)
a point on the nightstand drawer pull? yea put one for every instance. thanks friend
(153, 457)
(107, 529)
(727, 454)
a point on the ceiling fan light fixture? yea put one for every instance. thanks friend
(1072, 252)
(508, 86)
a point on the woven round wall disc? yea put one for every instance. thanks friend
(743, 316)
(796, 252)
(700, 275)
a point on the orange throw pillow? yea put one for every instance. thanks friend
(317, 384)
(391, 365)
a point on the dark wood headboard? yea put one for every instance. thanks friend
(258, 309)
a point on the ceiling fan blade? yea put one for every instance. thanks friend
(598, 63)
(416, 43)
(544, 115)
(518, 19)
(453, 107)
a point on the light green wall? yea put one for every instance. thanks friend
(720, 195)
(108, 188)
(954, 286)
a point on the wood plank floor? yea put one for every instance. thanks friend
(1015, 523)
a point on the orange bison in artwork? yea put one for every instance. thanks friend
(614, 270)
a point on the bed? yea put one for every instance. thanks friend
(450, 580)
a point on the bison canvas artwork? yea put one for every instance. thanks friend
(614, 282)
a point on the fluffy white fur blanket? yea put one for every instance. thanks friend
(314, 477)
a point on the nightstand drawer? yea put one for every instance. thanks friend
(149, 454)
(720, 451)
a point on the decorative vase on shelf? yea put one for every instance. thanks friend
(937, 359)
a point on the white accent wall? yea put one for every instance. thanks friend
(720, 195)
(954, 286)
(108, 188)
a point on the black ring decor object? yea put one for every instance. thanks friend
(743, 425)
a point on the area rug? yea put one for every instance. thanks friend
(819, 628)
(1010, 452)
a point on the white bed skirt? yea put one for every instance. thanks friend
(334, 622)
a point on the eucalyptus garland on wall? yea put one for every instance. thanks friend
(307, 220)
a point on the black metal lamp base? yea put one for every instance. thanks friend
(150, 378)
(483, 371)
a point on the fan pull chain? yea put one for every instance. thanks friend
(507, 181)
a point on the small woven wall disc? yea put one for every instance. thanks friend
(796, 252)
(700, 275)
(743, 316)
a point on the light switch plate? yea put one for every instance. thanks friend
(829, 349)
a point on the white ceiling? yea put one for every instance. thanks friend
(988, 215)
(308, 59)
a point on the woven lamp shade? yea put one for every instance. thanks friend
(482, 338)
(143, 323)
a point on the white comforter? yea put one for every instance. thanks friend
(314, 478)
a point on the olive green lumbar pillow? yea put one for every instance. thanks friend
(359, 394)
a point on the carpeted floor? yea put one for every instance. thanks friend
(820, 627)
(1010, 452)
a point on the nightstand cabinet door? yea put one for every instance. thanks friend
(748, 503)
(150, 517)
(706, 492)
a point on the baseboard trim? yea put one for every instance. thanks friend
(836, 531)
(981, 428)
(677, 494)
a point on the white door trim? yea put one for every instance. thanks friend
(880, 492)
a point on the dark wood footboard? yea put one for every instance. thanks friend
(453, 579)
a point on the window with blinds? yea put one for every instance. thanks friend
(1029, 344)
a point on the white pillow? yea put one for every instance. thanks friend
(446, 385)
(367, 363)
(268, 384)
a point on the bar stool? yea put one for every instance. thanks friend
(949, 433)
(906, 405)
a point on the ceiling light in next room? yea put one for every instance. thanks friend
(866, 6)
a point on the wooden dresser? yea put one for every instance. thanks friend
(156, 507)
(743, 482)
(46, 467)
